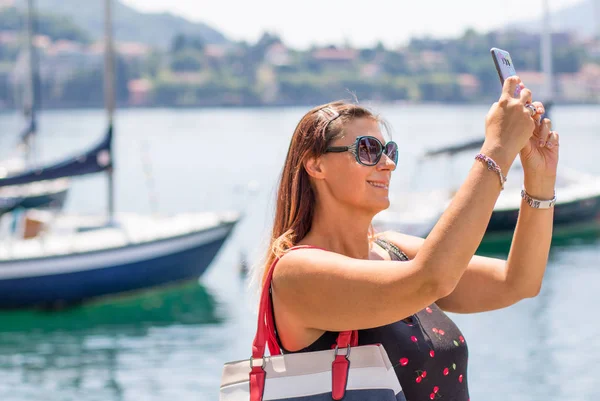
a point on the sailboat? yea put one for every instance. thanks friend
(73, 259)
(37, 193)
(576, 213)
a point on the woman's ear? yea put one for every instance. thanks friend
(314, 167)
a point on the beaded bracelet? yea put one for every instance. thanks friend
(492, 166)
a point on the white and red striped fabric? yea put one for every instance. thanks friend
(348, 372)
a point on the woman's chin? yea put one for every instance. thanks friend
(379, 205)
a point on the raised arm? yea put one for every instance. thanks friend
(494, 283)
(321, 290)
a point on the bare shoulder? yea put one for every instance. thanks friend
(310, 263)
(409, 244)
(320, 290)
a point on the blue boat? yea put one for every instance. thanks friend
(59, 260)
(78, 265)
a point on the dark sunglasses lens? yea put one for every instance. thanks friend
(391, 150)
(369, 151)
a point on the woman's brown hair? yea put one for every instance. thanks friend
(295, 197)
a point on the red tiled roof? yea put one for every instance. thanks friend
(335, 54)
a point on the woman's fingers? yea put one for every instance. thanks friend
(510, 86)
(545, 130)
(525, 96)
(541, 110)
(552, 141)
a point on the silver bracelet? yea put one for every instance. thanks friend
(536, 203)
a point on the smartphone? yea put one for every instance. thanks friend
(504, 66)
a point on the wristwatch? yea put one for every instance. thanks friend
(536, 203)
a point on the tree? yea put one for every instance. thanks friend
(178, 43)
(367, 55)
(182, 42)
(54, 26)
(188, 60)
(395, 63)
(152, 64)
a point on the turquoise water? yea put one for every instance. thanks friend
(171, 344)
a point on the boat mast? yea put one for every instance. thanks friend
(31, 101)
(596, 30)
(546, 53)
(109, 93)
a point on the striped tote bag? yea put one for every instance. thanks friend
(348, 372)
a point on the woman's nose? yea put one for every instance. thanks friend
(386, 163)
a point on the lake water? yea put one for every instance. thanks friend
(172, 344)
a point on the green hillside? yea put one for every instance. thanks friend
(130, 25)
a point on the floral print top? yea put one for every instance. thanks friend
(428, 351)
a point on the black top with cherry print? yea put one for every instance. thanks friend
(427, 349)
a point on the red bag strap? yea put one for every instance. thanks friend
(265, 328)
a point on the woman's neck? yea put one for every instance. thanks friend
(342, 230)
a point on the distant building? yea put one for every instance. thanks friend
(371, 70)
(132, 50)
(128, 50)
(217, 52)
(433, 60)
(58, 60)
(277, 55)
(427, 60)
(581, 87)
(61, 59)
(65, 47)
(140, 92)
(571, 88)
(469, 85)
(335, 58)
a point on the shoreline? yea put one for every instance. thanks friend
(5, 111)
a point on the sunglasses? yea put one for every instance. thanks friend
(368, 150)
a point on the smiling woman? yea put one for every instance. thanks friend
(343, 280)
(325, 131)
